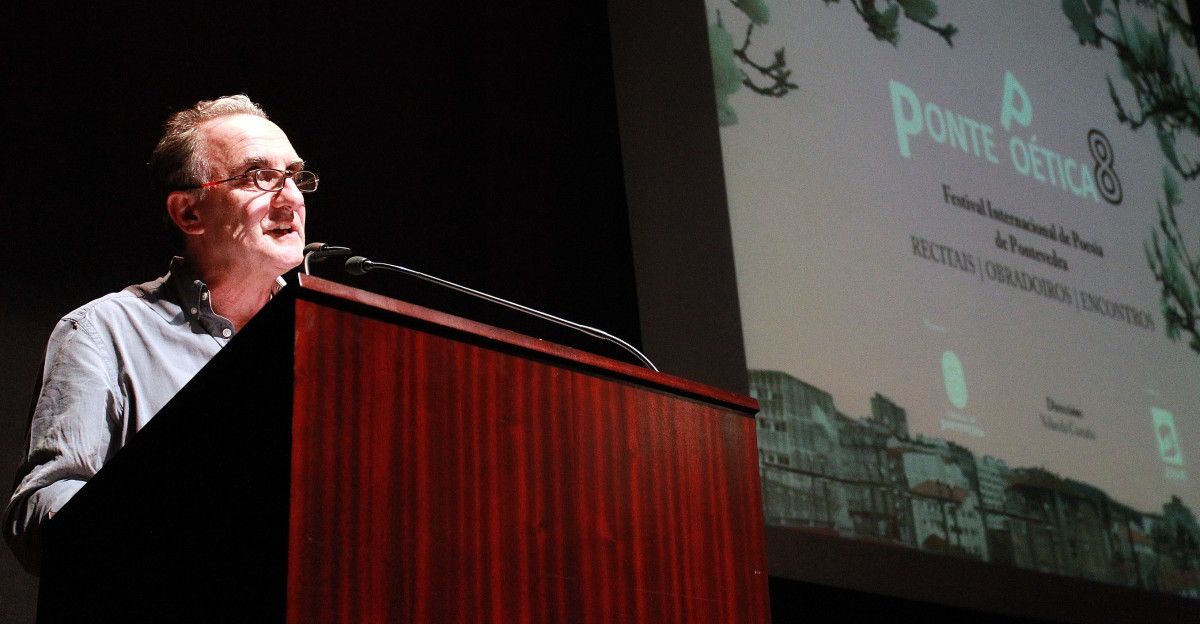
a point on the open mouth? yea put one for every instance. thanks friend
(281, 230)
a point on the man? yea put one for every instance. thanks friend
(232, 184)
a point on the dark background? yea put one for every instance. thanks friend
(468, 142)
(561, 154)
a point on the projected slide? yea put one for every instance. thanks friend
(967, 238)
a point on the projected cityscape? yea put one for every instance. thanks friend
(869, 478)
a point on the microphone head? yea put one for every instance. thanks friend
(358, 265)
(317, 252)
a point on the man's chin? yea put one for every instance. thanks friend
(280, 263)
(291, 262)
(289, 254)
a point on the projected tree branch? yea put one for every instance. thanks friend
(1164, 93)
(883, 24)
(1175, 268)
(777, 72)
(738, 66)
(1165, 96)
(730, 63)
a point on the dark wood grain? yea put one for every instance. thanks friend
(598, 364)
(466, 474)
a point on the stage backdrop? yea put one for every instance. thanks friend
(967, 239)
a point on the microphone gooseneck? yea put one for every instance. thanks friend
(358, 265)
(316, 252)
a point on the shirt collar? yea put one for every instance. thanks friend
(196, 301)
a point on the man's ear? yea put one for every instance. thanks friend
(181, 206)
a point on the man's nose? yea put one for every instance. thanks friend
(289, 193)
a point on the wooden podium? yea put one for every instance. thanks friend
(353, 458)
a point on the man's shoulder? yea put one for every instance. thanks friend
(133, 301)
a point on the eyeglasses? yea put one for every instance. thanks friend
(272, 180)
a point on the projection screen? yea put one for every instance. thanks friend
(967, 243)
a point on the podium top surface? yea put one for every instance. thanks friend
(316, 288)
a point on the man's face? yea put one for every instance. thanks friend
(248, 231)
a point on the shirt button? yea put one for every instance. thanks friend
(227, 332)
(193, 311)
(204, 296)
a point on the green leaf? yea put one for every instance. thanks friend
(756, 10)
(890, 17)
(1142, 44)
(883, 25)
(1171, 188)
(1083, 22)
(1172, 320)
(919, 10)
(727, 76)
(1166, 142)
(1185, 295)
(1095, 6)
(1174, 275)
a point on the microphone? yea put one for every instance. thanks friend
(358, 265)
(316, 252)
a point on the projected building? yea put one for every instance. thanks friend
(945, 499)
(870, 479)
(891, 416)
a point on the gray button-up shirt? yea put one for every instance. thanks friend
(110, 366)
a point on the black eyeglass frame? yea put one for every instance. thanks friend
(258, 182)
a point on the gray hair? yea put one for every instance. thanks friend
(179, 160)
